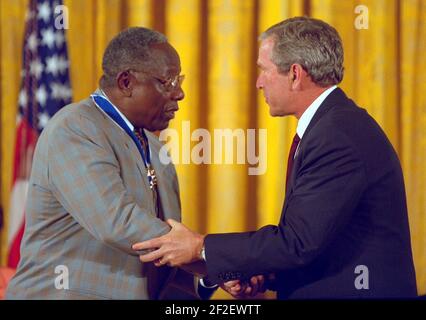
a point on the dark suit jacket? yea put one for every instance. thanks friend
(343, 231)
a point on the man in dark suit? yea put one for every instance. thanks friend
(343, 231)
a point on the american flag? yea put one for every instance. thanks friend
(45, 88)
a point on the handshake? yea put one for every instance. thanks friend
(184, 248)
(245, 289)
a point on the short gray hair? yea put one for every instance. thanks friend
(313, 44)
(128, 50)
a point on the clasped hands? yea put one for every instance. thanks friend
(181, 247)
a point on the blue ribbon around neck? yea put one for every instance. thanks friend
(103, 103)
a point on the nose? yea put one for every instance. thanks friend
(259, 82)
(178, 94)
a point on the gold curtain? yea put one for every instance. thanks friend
(412, 125)
(217, 42)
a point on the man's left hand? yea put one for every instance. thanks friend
(241, 290)
(179, 246)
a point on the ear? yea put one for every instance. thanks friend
(296, 73)
(125, 81)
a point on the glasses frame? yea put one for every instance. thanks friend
(169, 84)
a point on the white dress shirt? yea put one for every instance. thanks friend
(309, 113)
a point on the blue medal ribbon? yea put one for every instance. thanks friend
(103, 103)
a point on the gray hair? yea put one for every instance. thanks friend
(313, 44)
(128, 50)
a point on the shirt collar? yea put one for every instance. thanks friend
(309, 113)
(131, 127)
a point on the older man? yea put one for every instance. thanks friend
(343, 231)
(97, 185)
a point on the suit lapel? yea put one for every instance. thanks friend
(164, 186)
(126, 141)
(333, 99)
(130, 144)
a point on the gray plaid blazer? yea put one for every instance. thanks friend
(88, 201)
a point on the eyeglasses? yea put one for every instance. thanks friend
(169, 84)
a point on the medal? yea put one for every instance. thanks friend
(152, 178)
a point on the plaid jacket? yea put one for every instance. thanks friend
(88, 201)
